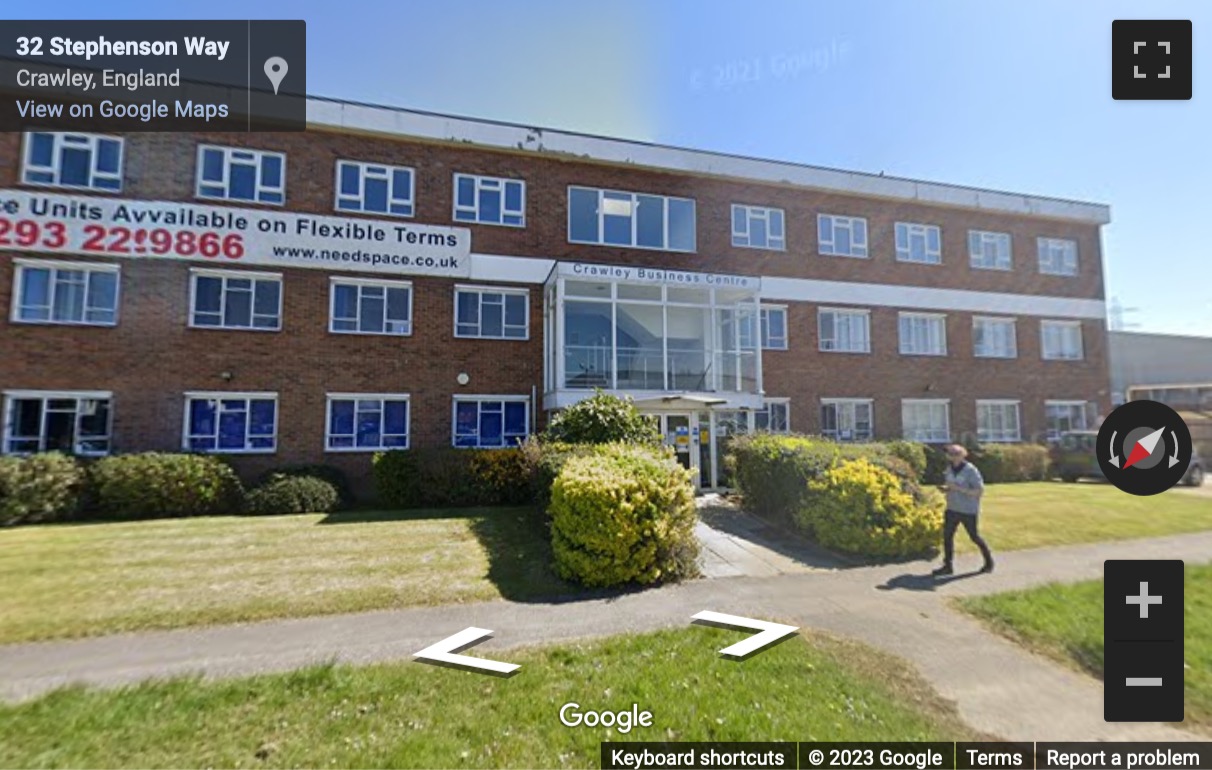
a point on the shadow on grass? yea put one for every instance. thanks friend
(374, 515)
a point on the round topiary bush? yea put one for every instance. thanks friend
(603, 419)
(285, 493)
(41, 487)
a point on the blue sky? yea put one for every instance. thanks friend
(1008, 94)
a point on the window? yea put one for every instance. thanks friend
(994, 338)
(364, 422)
(1064, 416)
(489, 200)
(74, 422)
(499, 314)
(231, 173)
(926, 420)
(231, 422)
(841, 236)
(86, 161)
(55, 292)
(1061, 340)
(918, 243)
(774, 417)
(374, 187)
(844, 331)
(490, 422)
(236, 300)
(1057, 256)
(756, 227)
(997, 422)
(774, 327)
(638, 220)
(370, 307)
(989, 251)
(923, 334)
(846, 419)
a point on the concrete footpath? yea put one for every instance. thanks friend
(998, 687)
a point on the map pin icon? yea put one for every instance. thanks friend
(275, 70)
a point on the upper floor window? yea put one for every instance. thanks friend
(923, 334)
(918, 243)
(229, 299)
(774, 416)
(489, 200)
(774, 327)
(492, 313)
(757, 227)
(61, 159)
(1061, 340)
(65, 293)
(361, 422)
(231, 422)
(638, 220)
(846, 419)
(375, 188)
(841, 236)
(989, 251)
(1057, 256)
(74, 422)
(844, 331)
(994, 338)
(997, 422)
(238, 174)
(363, 306)
(491, 422)
(926, 420)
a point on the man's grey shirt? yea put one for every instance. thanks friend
(967, 477)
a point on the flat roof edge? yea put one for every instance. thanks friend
(395, 121)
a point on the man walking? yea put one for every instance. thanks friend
(964, 487)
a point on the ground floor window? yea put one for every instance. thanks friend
(71, 422)
(925, 420)
(846, 419)
(997, 422)
(491, 422)
(774, 417)
(231, 422)
(366, 422)
(1063, 416)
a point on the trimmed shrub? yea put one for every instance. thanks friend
(449, 477)
(1002, 463)
(913, 453)
(936, 464)
(41, 487)
(863, 509)
(624, 515)
(603, 419)
(330, 473)
(284, 493)
(161, 485)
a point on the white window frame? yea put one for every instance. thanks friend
(479, 183)
(482, 290)
(1079, 404)
(1057, 256)
(230, 158)
(990, 240)
(197, 272)
(361, 283)
(1001, 320)
(55, 266)
(454, 417)
(11, 396)
(742, 239)
(1045, 325)
(910, 231)
(633, 203)
(764, 322)
(784, 403)
(78, 139)
(382, 398)
(849, 313)
(858, 246)
(906, 349)
(986, 435)
(850, 405)
(223, 395)
(384, 171)
(933, 437)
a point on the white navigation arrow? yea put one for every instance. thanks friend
(770, 632)
(444, 654)
(1114, 457)
(1174, 457)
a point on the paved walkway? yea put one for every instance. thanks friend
(998, 687)
(738, 544)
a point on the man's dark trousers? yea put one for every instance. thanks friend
(952, 522)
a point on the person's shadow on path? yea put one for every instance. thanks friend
(926, 582)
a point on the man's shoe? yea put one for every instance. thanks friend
(985, 570)
(943, 571)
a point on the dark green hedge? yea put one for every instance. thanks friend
(449, 477)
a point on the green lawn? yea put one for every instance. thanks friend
(89, 579)
(1066, 623)
(1032, 515)
(414, 715)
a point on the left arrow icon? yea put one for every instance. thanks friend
(445, 653)
(770, 632)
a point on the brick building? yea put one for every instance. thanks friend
(391, 278)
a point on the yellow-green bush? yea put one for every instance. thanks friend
(623, 515)
(41, 487)
(863, 509)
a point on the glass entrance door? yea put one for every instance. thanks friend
(681, 433)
